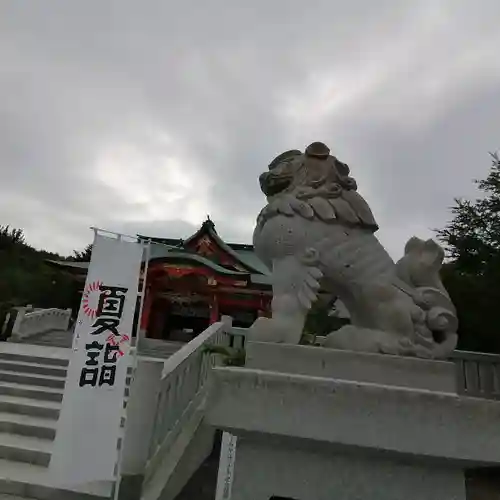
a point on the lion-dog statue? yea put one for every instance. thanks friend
(317, 232)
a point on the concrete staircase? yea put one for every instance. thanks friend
(31, 391)
(32, 379)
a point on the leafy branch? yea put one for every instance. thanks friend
(231, 356)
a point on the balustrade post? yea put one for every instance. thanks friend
(214, 310)
(16, 329)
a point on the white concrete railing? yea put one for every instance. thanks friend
(478, 374)
(237, 337)
(184, 385)
(31, 322)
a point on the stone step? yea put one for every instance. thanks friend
(32, 379)
(159, 344)
(158, 349)
(27, 358)
(53, 343)
(31, 392)
(30, 407)
(28, 481)
(25, 449)
(25, 425)
(32, 368)
(155, 354)
(54, 338)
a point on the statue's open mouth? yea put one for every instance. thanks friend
(272, 184)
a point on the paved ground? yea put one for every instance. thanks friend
(58, 338)
(35, 350)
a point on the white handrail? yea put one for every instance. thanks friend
(183, 383)
(183, 354)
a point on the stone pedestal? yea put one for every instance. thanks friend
(316, 424)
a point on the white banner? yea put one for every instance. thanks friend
(226, 467)
(85, 448)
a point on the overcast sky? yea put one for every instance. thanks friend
(148, 115)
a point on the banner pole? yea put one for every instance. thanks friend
(76, 332)
(143, 294)
(146, 253)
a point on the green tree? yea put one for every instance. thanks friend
(82, 255)
(25, 277)
(11, 238)
(472, 274)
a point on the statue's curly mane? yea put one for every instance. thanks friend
(313, 187)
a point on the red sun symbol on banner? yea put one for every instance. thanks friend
(91, 298)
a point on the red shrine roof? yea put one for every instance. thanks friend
(207, 243)
(204, 248)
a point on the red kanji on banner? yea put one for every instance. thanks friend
(112, 341)
(91, 299)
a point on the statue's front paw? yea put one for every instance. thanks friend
(390, 346)
(275, 330)
(262, 331)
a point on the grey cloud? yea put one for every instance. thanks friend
(110, 110)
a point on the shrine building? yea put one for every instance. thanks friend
(191, 283)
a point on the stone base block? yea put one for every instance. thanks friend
(322, 424)
(380, 369)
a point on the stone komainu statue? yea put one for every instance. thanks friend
(317, 230)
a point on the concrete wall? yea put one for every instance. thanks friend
(264, 469)
(141, 411)
(185, 455)
(202, 484)
(199, 448)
